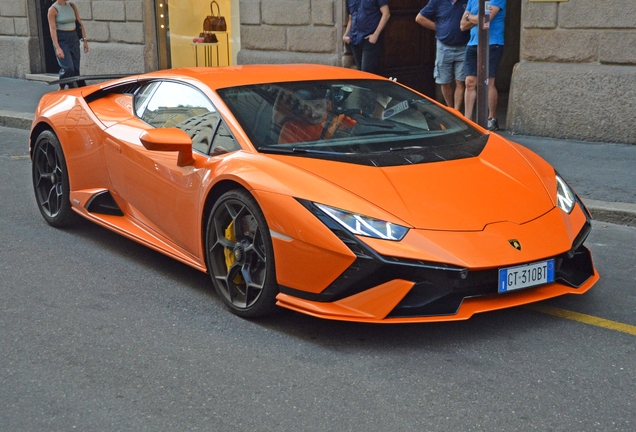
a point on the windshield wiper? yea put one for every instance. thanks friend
(396, 149)
(297, 150)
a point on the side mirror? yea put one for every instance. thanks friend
(169, 139)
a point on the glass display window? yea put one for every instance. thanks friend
(185, 40)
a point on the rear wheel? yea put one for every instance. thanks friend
(240, 255)
(50, 181)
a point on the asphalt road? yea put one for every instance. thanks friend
(99, 333)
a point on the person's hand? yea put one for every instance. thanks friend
(85, 46)
(372, 38)
(59, 53)
(346, 39)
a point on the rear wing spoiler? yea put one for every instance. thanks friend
(102, 77)
(124, 83)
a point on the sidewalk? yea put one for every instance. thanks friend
(603, 174)
(18, 100)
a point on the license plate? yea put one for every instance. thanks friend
(527, 275)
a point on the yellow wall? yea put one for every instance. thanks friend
(186, 22)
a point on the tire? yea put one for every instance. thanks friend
(50, 181)
(240, 255)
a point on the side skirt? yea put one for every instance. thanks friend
(132, 229)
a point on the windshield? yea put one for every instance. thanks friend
(361, 121)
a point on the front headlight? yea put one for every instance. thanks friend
(565, 195)
(364, 225)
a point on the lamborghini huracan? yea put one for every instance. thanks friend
(324, 190)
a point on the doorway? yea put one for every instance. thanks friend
(48, 62)
(409, 51)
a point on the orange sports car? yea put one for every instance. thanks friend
(323, 190)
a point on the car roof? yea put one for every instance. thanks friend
(230, 76)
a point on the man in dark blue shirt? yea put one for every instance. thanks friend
(367, 19)
(444, 16)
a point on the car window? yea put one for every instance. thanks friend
(201, 129)
(224, 141)
(143, 97)
(173, 103)
(169, 104)
(376, 122)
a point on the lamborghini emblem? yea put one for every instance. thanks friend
(515, 244)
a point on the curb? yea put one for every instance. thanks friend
(612, 212)
(16, 120)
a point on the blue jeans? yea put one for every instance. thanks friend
(367, 55)
(70, 64)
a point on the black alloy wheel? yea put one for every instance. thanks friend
(50, 181)
(240, 255)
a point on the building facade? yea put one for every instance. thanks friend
(576, 76)
(569, 66)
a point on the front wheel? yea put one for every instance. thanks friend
(50, 181)
(240, 255)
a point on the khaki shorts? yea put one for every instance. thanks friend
(449, 63)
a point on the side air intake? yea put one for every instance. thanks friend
(104, 203)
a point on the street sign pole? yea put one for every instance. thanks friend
(483, 28)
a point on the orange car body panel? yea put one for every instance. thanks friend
(441, 198)
(308, 255)
(452, 215)
(488, 248)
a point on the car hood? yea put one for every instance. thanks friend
(460, 195)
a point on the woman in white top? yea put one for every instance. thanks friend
(62, 17)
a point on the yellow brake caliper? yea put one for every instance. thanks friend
(229, 254)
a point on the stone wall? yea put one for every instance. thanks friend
(118, 36)
(291, 31)
(14, 38)
(577, 74)
(120, 41)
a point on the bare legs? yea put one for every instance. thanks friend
(460, 88)
(471, 96)
(455, 98)
(493, 97)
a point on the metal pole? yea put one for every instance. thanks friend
(483, 28)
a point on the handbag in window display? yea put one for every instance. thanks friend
(215, 22)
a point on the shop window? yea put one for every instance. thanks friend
(180, 26)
